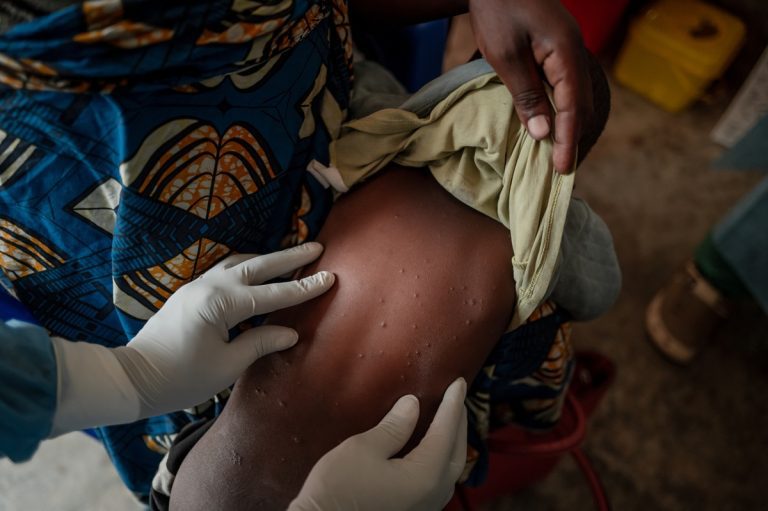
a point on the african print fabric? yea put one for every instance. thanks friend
(524, 382)
(141, 143)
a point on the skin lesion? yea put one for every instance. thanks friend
(424, 290)
(357, 341)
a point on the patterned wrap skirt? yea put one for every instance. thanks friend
(141, 145)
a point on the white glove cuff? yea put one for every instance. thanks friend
(93, 388)
(149, 383)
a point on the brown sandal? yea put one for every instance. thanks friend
(684, 314)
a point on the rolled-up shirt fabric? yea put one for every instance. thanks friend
(463, 127)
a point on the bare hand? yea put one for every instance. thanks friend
(523, 38)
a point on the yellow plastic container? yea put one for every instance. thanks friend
(675, 49)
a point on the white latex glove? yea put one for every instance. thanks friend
(361, 474)
(182, 356)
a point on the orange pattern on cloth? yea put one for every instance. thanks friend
(99, 14)
(240, 32)
(105, 24)
(290, 35)
(220, 167)
(36, 76)
(177, 271)
(341, 22)
(126, 35)
(239, 26)
(189, 165)
(22, 253)
(552, 373)
(204, 173)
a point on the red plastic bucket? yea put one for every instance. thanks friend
(520, 458)
(597, 19)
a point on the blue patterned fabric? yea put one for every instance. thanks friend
(523, 382)
(139, 146)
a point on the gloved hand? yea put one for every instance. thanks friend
(182, 356)
(360, 474)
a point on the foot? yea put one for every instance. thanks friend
(684, 314)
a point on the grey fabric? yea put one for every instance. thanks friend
(375, 88)
(13, 12)
(424, 100)
(588, 279)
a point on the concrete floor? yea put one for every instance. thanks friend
(69, 473)
(665, 438)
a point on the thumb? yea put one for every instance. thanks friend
(440, 440)
(257, 342)
(391, 434)
(521, 76)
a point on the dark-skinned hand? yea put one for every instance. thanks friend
(527, 42)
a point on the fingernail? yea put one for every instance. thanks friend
(407, 405)
(460, 384)
(291, 338)
(311, 245)
(538, 126)
(322, 278)
(562, 170)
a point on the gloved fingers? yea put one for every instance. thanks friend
(448, 495)
(262, 268)
(231, 261)
(228, 262)
(459, 454)
(458, 460)
(256, 342)
(393, 431)
(436, 448)
(271, 297)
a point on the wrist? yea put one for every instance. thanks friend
(93, 389)
(148, 381)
